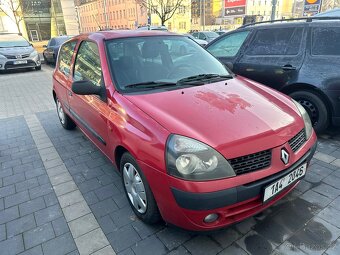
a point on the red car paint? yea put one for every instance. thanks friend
(235, 117)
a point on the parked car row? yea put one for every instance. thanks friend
(196, 145)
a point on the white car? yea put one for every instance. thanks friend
(201, 42)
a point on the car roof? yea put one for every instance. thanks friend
(114, 34)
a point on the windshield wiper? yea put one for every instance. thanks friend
(204, 77)
(151, 84)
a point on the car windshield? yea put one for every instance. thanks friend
(11, 40)
(161, 61)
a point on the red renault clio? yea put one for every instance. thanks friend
(195, 144)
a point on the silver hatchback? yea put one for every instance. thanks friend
(16, 52)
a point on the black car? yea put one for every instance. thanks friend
(300, 58)
(52, 48)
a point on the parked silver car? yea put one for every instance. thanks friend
(16, 52)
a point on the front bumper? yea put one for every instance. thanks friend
(186, 204)
(9, 64)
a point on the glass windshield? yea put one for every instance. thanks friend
(159, 60)
(11, 40)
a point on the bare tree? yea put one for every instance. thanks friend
(14, 10)
(164, 9)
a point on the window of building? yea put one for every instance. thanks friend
(325, 41)
(87, 65)
(65, 57)
(182, 25)
(181, 9)
(281, 41)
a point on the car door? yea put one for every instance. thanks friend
(228, 47)
(90, 111)
(62, 73)
(274, 55)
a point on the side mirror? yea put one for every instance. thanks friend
(88, 88)
(229, 65)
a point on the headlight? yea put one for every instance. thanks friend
(34, 53)
(306, 119)
(192, 160)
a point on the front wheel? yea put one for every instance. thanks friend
(138, 191)
(64, 119)
(38, 68)
(315, 107)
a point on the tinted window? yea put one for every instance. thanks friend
(326, 41)
(12, 40)
(65, 57)
(202, 36)
(228, 46)
(52, 42)
(278, 41)
(87, 65)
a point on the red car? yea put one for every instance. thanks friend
(195, 144)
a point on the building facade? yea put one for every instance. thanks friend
(41, 20)
(110, 14)
(180, 22)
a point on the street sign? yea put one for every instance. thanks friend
(311, 7)
(235, 11)
(234, 7)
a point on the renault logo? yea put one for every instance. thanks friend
(284, 156)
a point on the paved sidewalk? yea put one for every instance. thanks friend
(60, 195)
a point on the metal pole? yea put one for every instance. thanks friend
(106, 17)
(203, 15)
(274, 2)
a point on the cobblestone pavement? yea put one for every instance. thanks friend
(60, 195)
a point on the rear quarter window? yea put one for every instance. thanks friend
(278, 41)
(65, 57)
(326, 41)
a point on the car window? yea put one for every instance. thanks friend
(52, 42)
(13, 40)
(278, 41)
(158, 58)
(228, 46)
(65, 57)
(325, 41)
(202, 36)
(195, 35)
(87, 64)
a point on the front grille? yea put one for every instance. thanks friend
(298, 140)
(251, 162)
(15, 57)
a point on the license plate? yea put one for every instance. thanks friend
(276, 187)
(19, 62)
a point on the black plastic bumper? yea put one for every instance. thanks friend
(222, 198)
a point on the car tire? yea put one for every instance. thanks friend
(145, 204)
(38, 68)
(315, 107)
(46, 61)
(64, 119)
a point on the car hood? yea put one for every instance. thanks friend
(16, 50)
(235, 117)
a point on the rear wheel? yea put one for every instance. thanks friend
(138, 191)
(38, 68)
(64, 119)
(315, 107)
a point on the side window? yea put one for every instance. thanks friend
(325, 41)
(87, 64)
(65, 57)
(228, 46)
(52, 42)
(280, 41)
(195, 35)
(202, 36)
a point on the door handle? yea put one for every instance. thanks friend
(288, 68)
(70, 93)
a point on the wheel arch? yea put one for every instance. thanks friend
(54, 96)
(311, 88)
(118, 153)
